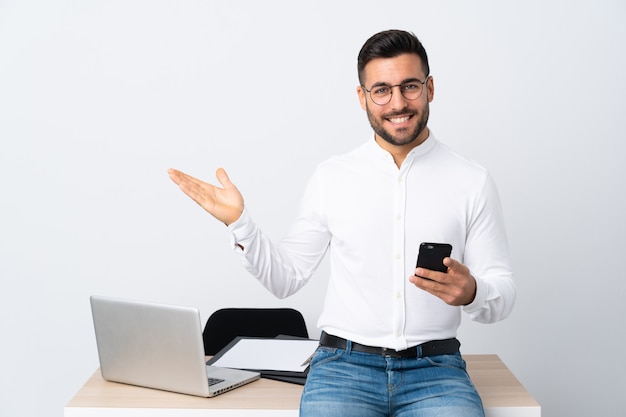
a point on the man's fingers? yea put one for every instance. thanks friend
(191, 186)
(223, 178)
(182, 179)
(174, 175)
(455, 267)
(450, 263)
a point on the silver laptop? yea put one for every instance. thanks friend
(158, 346)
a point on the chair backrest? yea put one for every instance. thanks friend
(226, 324)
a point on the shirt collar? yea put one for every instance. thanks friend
(416, 152)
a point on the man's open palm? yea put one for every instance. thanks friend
(225, 204)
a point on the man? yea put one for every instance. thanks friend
(388, 345)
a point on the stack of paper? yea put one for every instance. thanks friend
(285, 359)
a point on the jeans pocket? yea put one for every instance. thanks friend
(324, 355)
(454, 360)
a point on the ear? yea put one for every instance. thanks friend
(362, 97)
(430, 89)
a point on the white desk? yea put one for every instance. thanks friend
(501, 392)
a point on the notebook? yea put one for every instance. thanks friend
(158, 346)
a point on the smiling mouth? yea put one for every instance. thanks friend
(399, 119)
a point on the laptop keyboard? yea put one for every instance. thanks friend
(213, 381)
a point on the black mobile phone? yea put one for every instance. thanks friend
(430, 256)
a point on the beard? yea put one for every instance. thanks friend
(403, 136)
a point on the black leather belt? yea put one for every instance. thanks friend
(432, 348)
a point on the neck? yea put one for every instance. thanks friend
(399, 152)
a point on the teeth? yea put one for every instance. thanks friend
(399, 119)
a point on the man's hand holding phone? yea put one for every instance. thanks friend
(443, 276)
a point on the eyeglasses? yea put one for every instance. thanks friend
(410, 90)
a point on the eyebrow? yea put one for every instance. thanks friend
(407, 80)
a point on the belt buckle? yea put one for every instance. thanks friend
(391, 353)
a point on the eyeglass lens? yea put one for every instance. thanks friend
(382, 94)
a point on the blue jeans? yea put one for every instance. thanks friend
(343, 383)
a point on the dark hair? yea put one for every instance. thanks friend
(390, 44)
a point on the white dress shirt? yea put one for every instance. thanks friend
(371, 216)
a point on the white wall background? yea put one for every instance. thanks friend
(99, 98)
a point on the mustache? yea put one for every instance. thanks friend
(398, 113)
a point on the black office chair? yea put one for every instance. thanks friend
(226, 324)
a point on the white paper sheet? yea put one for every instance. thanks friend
(269, 354)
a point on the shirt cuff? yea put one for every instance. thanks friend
(242, 231)
(482, 290)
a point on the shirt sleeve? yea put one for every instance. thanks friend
(487, 257)
(285, 267)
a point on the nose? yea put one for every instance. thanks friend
(397, 99)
